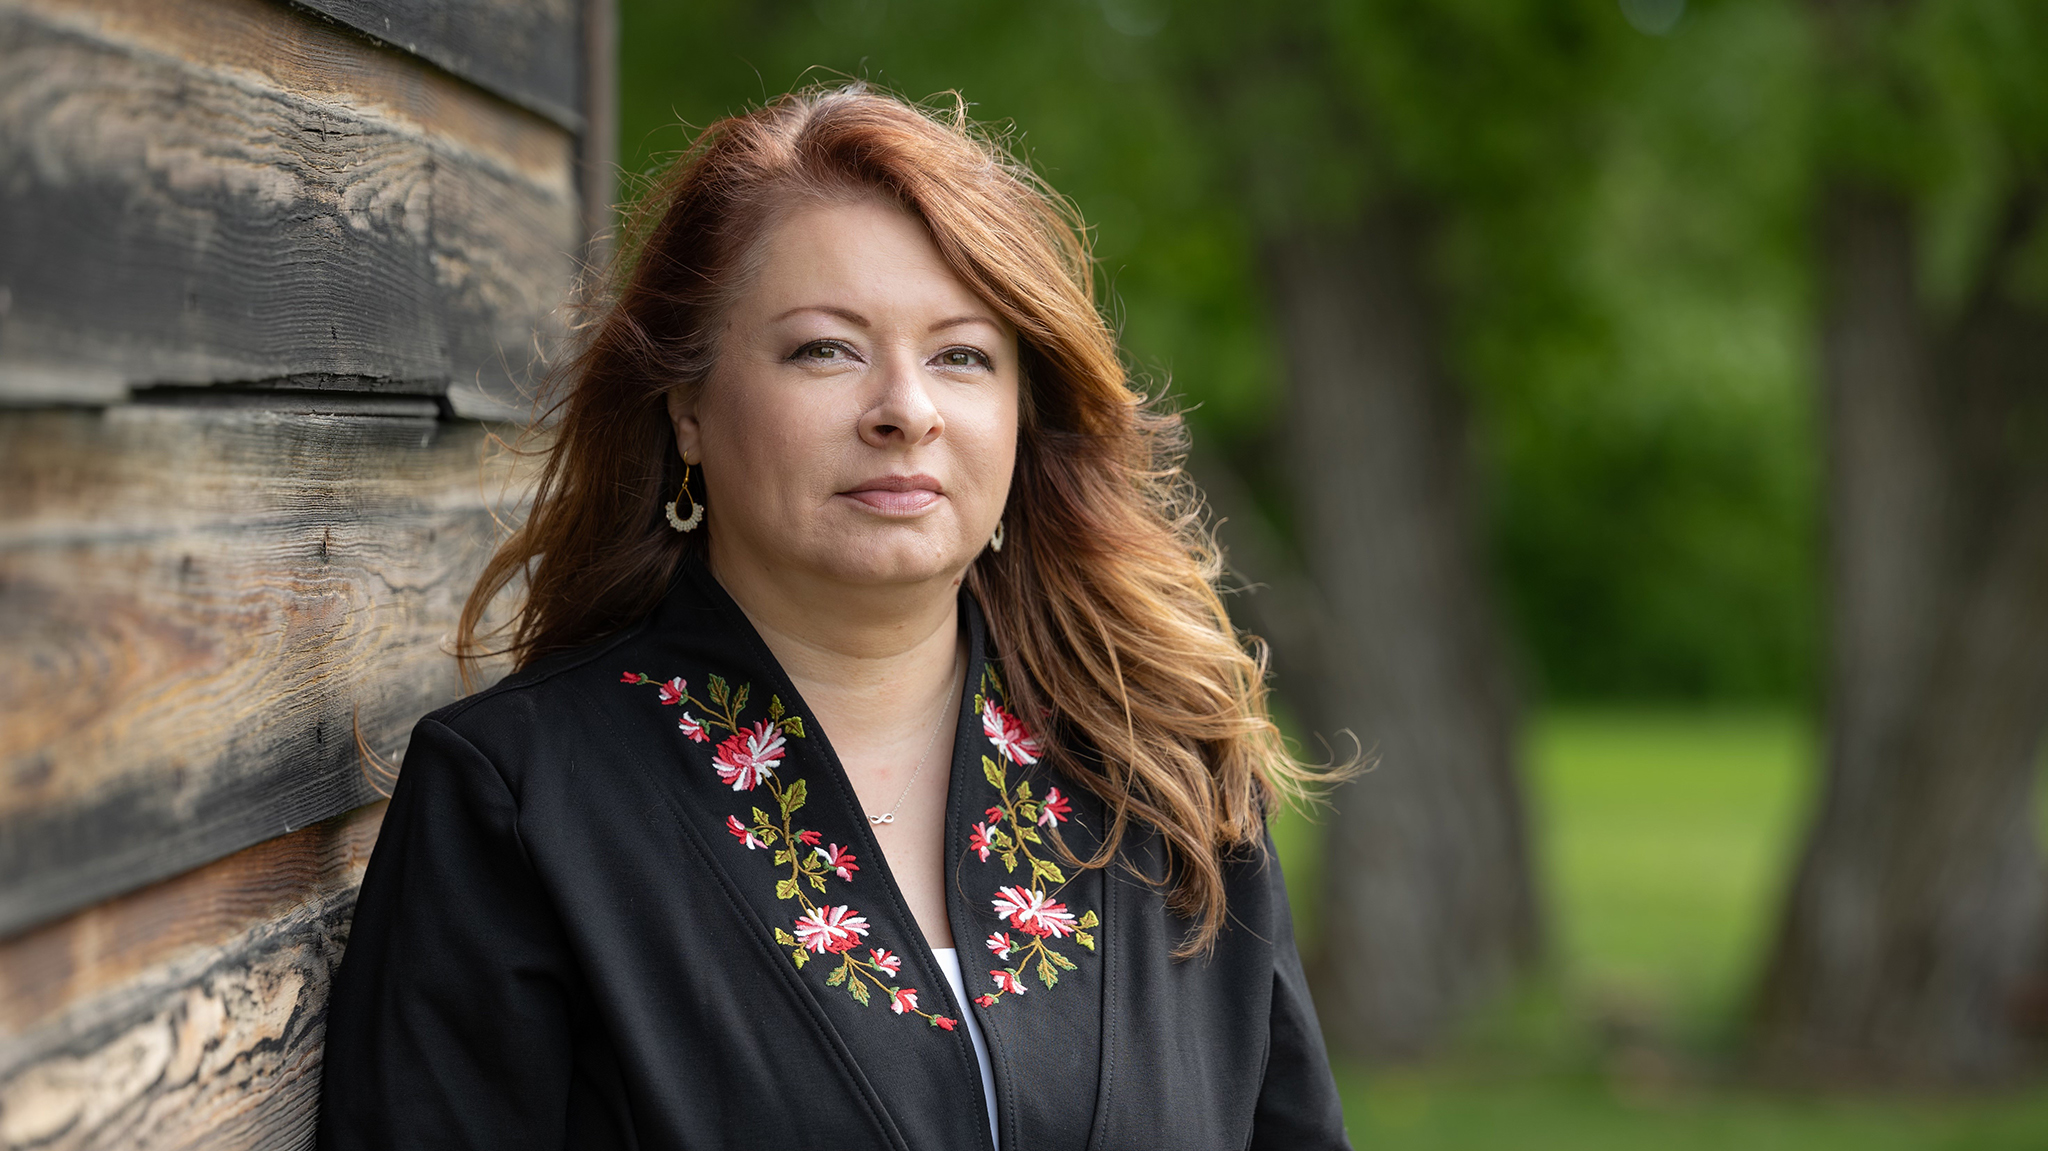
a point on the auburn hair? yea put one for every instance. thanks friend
(1102, 605)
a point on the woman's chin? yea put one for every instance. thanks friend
(879, 558)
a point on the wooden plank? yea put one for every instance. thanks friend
(188, 1014)
(196, 605)
(527, 51)
(206, 191)
(598, 148)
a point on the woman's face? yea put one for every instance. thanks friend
(860, 425)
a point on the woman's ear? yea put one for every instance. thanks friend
(682, 412)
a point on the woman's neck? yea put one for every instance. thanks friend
(867, 659)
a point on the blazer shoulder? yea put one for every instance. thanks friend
(536, 696)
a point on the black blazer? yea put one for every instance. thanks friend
(627, 899)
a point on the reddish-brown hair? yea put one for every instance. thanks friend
(1102, 604)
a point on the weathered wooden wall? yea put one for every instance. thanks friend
(266, 269)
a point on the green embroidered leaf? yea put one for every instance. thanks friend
(783, 937)
(978, 701)
(817, 879)
(760, 817)
(794, 725)
(1029, 833)
(1084, 939)
(801, 956)
(774, 708)
(739, 701)
(783, 856)
(837, 977)
(859, 987)
(716, 684)
(1001, 840)
(785, 889)
(793, 797)
(1049, 869)
(1024, 792)
(1088, 919)
(994, 773)
(1046, 974)
(767, 835)
(1062, 960)
(1009, 860)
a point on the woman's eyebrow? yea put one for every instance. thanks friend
(847, 314)
(956, 321)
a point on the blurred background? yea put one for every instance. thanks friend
(1627, 419)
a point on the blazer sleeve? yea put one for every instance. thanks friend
(1298, 1108)
(449, 1022)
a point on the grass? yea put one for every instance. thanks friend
(1663, 839)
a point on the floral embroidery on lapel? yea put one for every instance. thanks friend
(747, 761)
(1030, 908)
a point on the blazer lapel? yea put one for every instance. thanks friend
(1028, 925)
(753, 770)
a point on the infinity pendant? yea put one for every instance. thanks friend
(885, 817)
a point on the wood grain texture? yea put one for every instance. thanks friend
(197, 604)
(189, 1014)
(204, 191)
(528, 51)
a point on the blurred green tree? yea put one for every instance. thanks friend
(1915, 941)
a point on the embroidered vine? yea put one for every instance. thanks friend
(746, 761)
(1010, 832)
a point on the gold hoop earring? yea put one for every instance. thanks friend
(696, 515)
(995, 542)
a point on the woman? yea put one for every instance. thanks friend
(881, 768)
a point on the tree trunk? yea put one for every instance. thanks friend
(1429, 902)
(1912, 940)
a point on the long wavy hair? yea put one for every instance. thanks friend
(1103, 603)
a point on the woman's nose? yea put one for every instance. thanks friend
(902, 412)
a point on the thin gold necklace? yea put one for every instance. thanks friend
(889, 816)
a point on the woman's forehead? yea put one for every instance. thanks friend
(864, 262)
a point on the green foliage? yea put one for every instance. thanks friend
(1622, 222)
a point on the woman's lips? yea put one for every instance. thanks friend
(897, 495)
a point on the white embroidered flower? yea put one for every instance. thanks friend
(742, 832)
(1009, 734)
(748, 757)
(1033, 912)
(831, 929)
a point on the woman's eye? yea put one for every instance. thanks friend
(820, 352)
(962, 358)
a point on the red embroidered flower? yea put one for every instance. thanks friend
(978, 841)
(749, 756)
(1007, 982)
(1056, 808)
(943, 1021)
(840, 860)
(742, 832)
(831, 929)
(808, 838)
(673, 692)
(1033, 912)
(903, 999)
(632, 677)
(985, 1000)
(1009, 734)
(1000, 944)
(887, 962)
(995, 815)
(692, 728)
